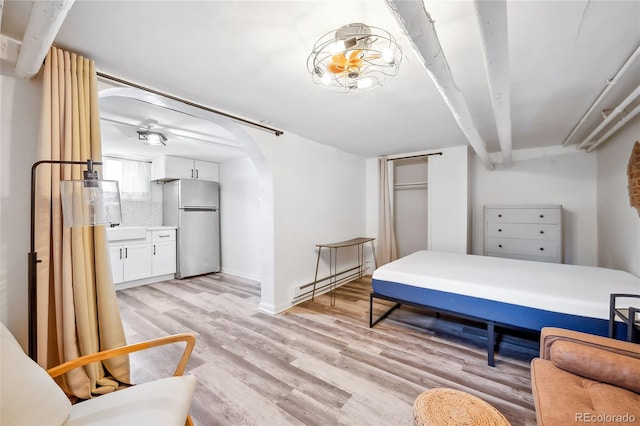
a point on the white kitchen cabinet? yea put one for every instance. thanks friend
(141, 256)
(167, 167)
(116, 253)
(163, 256)
(130, 261)
(524, 232)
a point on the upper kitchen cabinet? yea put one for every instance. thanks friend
(166, 168)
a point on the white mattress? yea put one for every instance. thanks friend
(570, 289)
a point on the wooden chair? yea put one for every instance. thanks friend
(628, 314)
(31, 396)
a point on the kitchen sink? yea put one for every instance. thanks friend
(126, 233)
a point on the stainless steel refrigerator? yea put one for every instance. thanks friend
(193, 206)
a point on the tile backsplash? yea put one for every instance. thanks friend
(141, 213)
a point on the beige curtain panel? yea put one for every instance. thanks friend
(77, 308)
(386, 250)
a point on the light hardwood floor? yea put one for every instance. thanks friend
(317, 364)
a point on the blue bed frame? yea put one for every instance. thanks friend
(490, 312)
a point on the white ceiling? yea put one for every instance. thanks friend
(248, 58)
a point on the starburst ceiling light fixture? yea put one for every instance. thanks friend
(354, 58)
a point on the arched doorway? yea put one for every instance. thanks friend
(223, 136)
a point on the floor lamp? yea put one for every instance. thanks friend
(86, 202)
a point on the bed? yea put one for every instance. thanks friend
(502, 292)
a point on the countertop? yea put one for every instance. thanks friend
(119, 233)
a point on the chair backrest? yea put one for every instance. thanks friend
(28, 395)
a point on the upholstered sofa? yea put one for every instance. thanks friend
(581, 378)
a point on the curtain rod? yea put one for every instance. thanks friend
(186, 102)
(414, 156)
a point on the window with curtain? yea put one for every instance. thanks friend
(133, 177)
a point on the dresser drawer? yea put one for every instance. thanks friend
(523, 230)
(164, 235)
(522, 215)
(522, 247)
(524, 257)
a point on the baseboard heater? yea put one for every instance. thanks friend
(328, 283)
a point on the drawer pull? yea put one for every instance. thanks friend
(541, 248)
(542, 232)
(164, 236)
(500, 245)
(499, 215)
(541, 216)
(499, 230)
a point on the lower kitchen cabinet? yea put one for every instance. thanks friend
(141, 260)
(163, 257)
(130, 262)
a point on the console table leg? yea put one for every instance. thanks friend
(315, 280)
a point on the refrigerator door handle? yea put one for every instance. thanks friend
(199, 209)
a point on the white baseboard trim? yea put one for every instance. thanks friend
(241, 274)
(144, 281)
(274, 309)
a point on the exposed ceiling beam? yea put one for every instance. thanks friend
(616, 111)
(492, 18)
(610, 84)
(418, 25)
(44, 22)
(9, 49)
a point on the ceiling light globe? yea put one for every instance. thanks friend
(364, 83)
(387, 55)
(336, 47)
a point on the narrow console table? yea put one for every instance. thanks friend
(355, 272)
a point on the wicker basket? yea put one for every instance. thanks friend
(633, 172)
(451, 407)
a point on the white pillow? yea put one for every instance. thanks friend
(28, 395)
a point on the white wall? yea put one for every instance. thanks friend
(618, 222)
(318, 197)
(544, 176)
(239, 221)
(449, 201)
(19, 118)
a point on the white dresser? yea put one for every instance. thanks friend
(528, 232)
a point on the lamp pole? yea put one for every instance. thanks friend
(32, 274)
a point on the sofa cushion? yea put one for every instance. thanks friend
(28, 395)
(161, 402)
(563, 398)
(597, 364)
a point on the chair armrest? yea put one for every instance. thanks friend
(549, 335)
(123, 350)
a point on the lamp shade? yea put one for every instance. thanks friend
(90, 202)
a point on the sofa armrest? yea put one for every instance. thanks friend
(549, 335)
